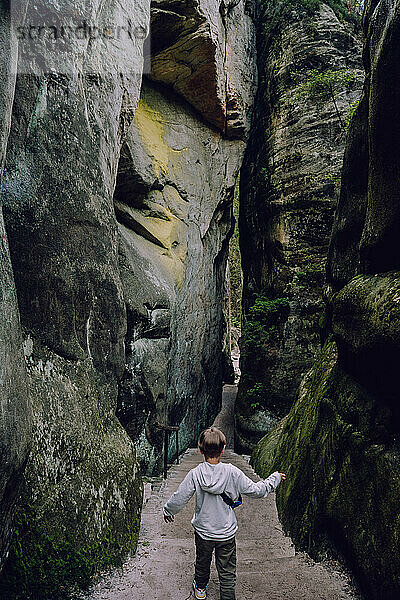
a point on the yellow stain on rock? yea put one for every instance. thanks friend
(151, 127)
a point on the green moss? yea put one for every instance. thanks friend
(263, 456)
(58, 563)
(323, 321)
(343, 483)
(294, 453)
(255, 337)
(322, 85)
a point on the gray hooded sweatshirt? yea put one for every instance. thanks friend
(213, 518)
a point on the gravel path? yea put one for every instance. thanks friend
(268, 567)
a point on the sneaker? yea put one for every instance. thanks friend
(199, 593)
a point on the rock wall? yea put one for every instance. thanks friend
(173, 202)
(174, 240)
(205, 52)
(310, 77)
(15, 423)
(15, 431)
(340, 443)
(81, 498)
(118, 217)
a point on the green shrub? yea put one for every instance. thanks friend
(267, 311)
(261, 325)
(312, 274)
(254, 395)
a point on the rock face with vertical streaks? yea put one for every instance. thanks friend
(81, 496)
(15, 410)
(310, 79)
(173, 202)
(340, 442)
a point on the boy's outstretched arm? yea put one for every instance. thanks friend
(179, 498)
(262, 488)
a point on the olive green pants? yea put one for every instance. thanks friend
(225, 561)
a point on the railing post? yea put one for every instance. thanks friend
(165, 453)
(167, 429)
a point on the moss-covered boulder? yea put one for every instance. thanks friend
(263, 455)
(343, 476)
(79, 509)
(366, 325)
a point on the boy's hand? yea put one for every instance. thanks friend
(283, 476)
(169, 518)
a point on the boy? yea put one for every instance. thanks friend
(218, 488)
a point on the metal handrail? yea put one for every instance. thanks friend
(167, 430)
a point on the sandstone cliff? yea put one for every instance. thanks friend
(81, 493)
(117, 200)
(173, 255)
(340, 442)
(310, 77)
(173, 202)
(15, 423)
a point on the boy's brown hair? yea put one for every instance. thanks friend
(212, 442)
